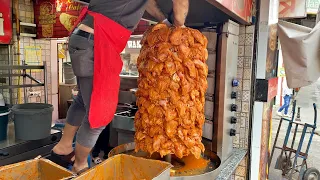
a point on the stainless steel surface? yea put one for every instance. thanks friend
(25, 96)
(20, 86)
(229, 55)
(207, 130)
(123, 122)
(210, 172)
(200, 11)
(10, 72)
(19, 67)
(45, 82)
(24, 74)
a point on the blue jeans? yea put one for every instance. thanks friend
(286, 104)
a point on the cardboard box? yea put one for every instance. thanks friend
(122, 167)
(37, 169)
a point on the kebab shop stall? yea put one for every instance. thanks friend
(176, 117)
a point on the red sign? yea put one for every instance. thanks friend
(272, 88)
(292, 9)
(5, 22)
(241, 8)
(55, 18)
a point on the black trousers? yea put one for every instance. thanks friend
(102, 143)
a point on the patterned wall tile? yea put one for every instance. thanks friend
(249, 40)
(239, 95)
(249, 29)
(241, 171)
(248, 51)
(239, 178)
(245, 107)
(236, 139)
(243, 122)
(238, 103)
(239, 73)
(244, 161)
(247, 73)
(240, 62)
(242, 39)
(246, 85)
(247, 62)
(242, 133)
(246, 96)
(241, 50)
(242, 30)
(244, 72)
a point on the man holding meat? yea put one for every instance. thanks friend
(94, 46)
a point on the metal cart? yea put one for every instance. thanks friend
(289, 153)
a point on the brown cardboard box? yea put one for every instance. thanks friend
(122, 167)
(37, 169)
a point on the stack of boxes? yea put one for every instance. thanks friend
(211, 62)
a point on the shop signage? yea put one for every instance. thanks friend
(292, 9)
(33, 56)
(266, 89)
(313, 6)
(242, 8)
(272, 88)
(5, 22)
(55, 18)
(281, 72)
(133, 45)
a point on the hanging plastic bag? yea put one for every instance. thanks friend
(301, 53)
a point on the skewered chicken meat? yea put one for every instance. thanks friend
(171, 91)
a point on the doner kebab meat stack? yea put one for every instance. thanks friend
(171, 91)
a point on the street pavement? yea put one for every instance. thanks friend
(305, 98)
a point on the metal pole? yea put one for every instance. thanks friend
(10, 73)
(24, 82)
(45, 82)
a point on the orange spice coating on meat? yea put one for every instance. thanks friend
(171, 91)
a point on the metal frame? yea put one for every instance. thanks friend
(289, 151)
(25, 75)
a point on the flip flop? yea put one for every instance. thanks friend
(62, 160)
(97, 160)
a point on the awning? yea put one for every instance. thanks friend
(301, 53)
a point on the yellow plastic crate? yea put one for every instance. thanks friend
(126, 167)
(37, 169)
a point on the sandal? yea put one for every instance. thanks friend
(62, 160)
(97, 160)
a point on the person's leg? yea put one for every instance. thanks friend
(75, 115)
(287, 103)
(96, 149)
(86, 137)
(105, 141)
(284, 104)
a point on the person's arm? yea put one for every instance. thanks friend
(153, 9)
(180, 11)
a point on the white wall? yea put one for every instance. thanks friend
(54, 79)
